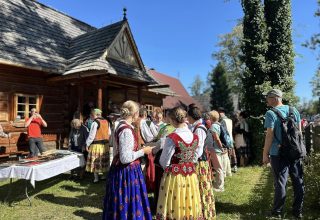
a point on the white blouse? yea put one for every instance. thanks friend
(201, 135)
(169, 146)
(126, 145)
(148, 133)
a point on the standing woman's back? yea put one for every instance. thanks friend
(179, 196)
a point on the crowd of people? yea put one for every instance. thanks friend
(181, 155)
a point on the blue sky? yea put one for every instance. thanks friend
(178, 37)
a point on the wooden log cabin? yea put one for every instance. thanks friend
(60, 65)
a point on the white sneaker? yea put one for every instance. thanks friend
(234, 169)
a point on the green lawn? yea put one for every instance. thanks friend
(248, 195)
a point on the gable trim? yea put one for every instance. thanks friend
(126, 30)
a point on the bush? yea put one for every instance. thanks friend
(257, 138)
(312, 182)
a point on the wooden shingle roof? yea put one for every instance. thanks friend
(36, 36)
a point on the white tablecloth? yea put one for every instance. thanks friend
(44, 170)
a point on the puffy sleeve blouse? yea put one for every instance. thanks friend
(126, 145)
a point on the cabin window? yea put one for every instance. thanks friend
(24, 104)
(149, 109)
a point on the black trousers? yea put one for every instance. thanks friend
(281, 170)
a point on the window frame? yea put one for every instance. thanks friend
(149, 108)
(26, 104)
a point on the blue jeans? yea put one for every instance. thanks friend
(281, 170)
(36, 145)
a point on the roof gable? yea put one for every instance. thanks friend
(124, 48)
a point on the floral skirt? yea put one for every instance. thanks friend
(98, 158)
(126, 194)
(179, 197)
(206, 190)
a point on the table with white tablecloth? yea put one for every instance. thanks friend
(44, 170)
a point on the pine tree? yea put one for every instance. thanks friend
(280, 55)
(196, 86)
(230, 54)
(220, 93)
(254, 50)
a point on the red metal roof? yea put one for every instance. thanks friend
(176, 86)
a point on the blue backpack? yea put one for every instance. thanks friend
(225, 137)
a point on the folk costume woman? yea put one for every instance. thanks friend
(126, 194)
(157, 150)
(203, 168)
(179, 196)
(97, 146)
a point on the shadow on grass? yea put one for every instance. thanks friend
(260, 200)
(88, 215)
(91, 195)
(18, 187)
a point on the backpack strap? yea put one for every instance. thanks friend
(199, 126)
(278, 113)
(280, 116)
(291, 113)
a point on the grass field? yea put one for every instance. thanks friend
(248, 195)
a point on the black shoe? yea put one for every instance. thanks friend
(298, 216)
(274, 215)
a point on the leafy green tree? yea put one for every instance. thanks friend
(280, 55)
(197, 86)
(315, 84)
(309, 107)
(254, 50)
(230, 54)
(267, 52)
(220, 93)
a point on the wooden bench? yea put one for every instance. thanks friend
(18, 145)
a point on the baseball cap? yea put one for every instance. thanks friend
(221, 109)
(273, 93)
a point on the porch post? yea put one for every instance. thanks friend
(99, 98)
(125, 94)
(139, 95)
(80, 97)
